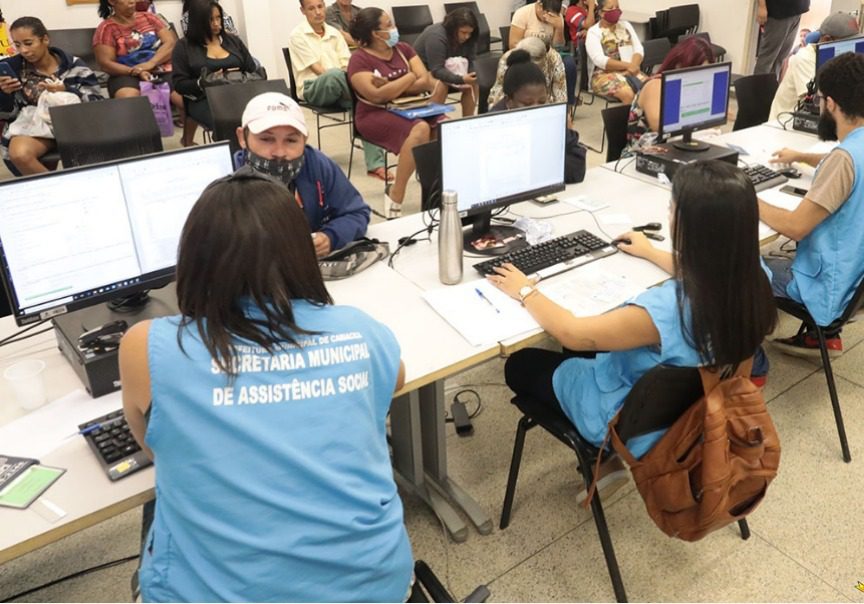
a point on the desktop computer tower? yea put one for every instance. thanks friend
(665, 158)
(99, 371)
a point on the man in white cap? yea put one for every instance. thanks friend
(273, 137)
(801, 71)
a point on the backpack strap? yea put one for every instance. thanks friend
(619, 447)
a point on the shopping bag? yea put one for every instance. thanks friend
(159, 95)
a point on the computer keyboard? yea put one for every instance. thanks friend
(763, 177)
(553, 256)
(115, 447)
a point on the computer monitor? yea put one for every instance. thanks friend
(692, 99)
(496, 159)
(828, 50)
(75, 238)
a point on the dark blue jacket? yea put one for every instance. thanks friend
(76, 76)
(331, 203)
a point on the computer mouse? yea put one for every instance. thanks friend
(790, 172)
(624, 240)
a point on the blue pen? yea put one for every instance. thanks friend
(89, 429)
(487, 300)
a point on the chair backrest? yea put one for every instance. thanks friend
(484, 35)
(427, 158)
(658, 399)
(754, 94)
(504, 31)
(584, 83)
(292, 83)
(228, 102)
(615, 120)
(449, 7)
(411, 21)
(684, 19)
(89, 133)
(655, 53)
(487, 70)
(76, 42)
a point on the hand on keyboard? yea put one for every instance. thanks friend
(510, 280)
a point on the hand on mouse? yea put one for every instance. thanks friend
(635, 244)
(785, 156)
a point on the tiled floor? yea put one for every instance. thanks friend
(806, 543)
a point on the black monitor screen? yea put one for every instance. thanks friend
(828, 50)
(694, 98)
(75, 238)
(496, 159)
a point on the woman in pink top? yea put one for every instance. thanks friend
(381, 70)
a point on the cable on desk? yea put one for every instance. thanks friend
(411, 240)
(29, 335)
(785, 124)
(14, 336)
(74, 575)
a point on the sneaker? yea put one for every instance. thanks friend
(613, 476)
(392, 209)
(807, 346)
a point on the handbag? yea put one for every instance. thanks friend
(224, 77)
(159, 95)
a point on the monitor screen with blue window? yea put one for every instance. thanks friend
(693, 99)
(828, 50)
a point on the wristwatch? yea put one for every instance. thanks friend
(524, 292)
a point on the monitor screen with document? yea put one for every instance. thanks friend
(693, 99)
(496, 159)
(79, 237)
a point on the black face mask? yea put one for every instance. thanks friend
(283, 170)
(826, 128)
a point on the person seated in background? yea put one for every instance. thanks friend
(456, 36)
(132, 47)
(381, 70)
(801, 69)
(644, 120)
(319, 58)
(206, 48)
(614, 55)
(339, 15)
(39, 68)
(541, 19)
(829, 262)
(228, 22)
(688, 321)
(273, 471)
(546, 58)
(580, 17)
(273, 138)
(524, 83)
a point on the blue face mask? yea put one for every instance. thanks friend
(393, 38)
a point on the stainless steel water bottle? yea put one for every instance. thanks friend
(449, 241)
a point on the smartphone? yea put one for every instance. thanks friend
(7, 71)
(797, 191)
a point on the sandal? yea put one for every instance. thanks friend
(380, 174)
(392, 209)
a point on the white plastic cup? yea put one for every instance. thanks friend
(27, 381)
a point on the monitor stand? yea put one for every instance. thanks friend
(688, 144)
(487, 240)
(98, 371)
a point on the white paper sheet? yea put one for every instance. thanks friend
(486, 319)
(44, 429)
(590, 290)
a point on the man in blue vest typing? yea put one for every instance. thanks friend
(829, 223)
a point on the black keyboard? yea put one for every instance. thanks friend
(553, 256)
(764, 177)
(114, 446)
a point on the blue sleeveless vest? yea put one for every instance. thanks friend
(277, 487)
(829, 263)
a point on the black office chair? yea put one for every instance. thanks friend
(228, 102)
(799, 311)
(504, 30)
(427, 161)
(655, 402)
(682, 19)
(655, 52)
(754, 94)
(355, 135)
(336, 114)
(89, 133)
(583, 86)
(449, 7)
(428, 588)
(487, 70)
(615, 122)
(484, 35)
(79, 43)
(411, 21)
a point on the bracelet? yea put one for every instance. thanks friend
(523, 299)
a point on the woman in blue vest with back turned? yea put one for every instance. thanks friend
(264, 406)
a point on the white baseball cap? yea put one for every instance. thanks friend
(272, 109)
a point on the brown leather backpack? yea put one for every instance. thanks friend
(714, 465)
